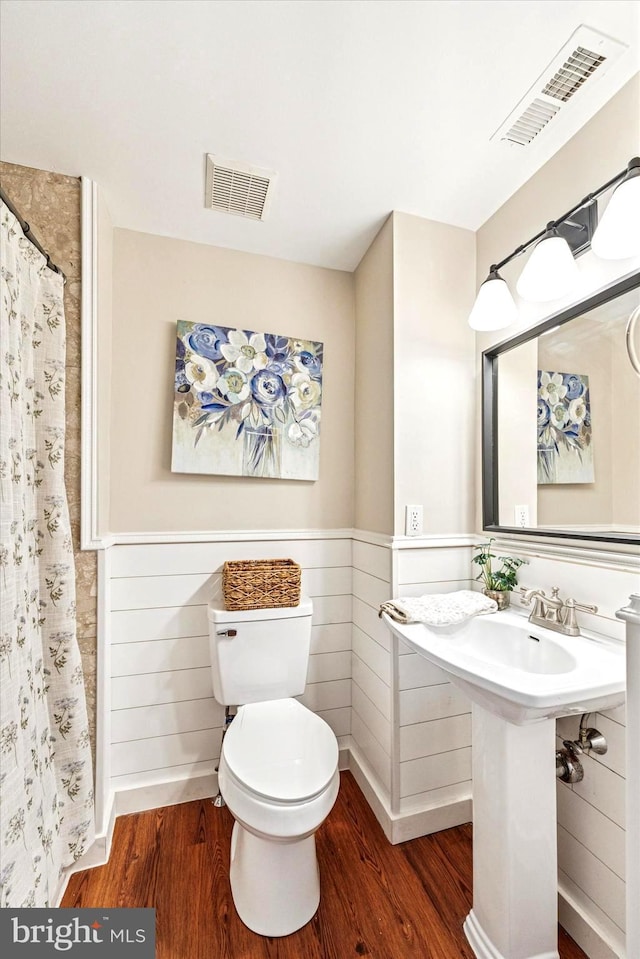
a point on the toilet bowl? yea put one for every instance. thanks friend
(278, 771)
(279, 777)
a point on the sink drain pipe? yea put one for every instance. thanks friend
(569, 768)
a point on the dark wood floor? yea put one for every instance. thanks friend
(378, 900)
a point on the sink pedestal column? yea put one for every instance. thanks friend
(515, 883)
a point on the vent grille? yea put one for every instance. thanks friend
(239, 189)
(572, 74)
(587, 52)
(533, 120)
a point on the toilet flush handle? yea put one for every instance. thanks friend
(227, 632)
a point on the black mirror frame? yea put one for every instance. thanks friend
(490, 478)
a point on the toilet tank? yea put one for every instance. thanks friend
(266, 659)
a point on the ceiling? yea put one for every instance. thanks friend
(360, 106)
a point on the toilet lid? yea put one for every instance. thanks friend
(281, 750)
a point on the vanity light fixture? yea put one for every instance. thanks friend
(551, 271)
(494, 308)
(618, 233)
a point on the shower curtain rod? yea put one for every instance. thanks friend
(26, 229)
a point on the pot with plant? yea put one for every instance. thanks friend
(497, 581)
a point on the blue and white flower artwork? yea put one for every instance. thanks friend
(246, 404)
(565, 453)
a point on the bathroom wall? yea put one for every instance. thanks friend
(157, 281)
(50, 203)
(591, 814)
(165, 726)
(374, 385)
(434, 369)
(174, 531)
(410, 731)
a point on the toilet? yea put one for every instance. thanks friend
(278, 771)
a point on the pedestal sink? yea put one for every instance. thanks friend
(519, 677)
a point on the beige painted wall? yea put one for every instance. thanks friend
(597, 152)
(434, 373)
(374, 383)
(157, 281)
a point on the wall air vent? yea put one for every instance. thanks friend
(237, 188)
(586, 54)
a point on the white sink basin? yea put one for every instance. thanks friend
(521, 672)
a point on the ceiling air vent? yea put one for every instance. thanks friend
(572, 74)
(586, 53)
(237, 188)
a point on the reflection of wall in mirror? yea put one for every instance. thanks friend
(517, 434)
(625, 439)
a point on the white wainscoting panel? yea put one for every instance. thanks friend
(433, 717)
(165, 723)
(371, 706)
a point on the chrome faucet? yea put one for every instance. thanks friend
(553, 612)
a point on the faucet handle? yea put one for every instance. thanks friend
(570, 620)
(571, 604)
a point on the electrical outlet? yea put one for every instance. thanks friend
(521, 516)
(413, 521)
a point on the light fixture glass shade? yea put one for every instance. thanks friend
(494, 308)
(618, 233)
(550, 272)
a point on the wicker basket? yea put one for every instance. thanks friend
(260, 583)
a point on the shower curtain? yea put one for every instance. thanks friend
(46, 780)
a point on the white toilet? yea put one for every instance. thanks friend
(278, 771)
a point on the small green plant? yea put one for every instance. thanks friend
(504, 578)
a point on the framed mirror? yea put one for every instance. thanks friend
(561, 423)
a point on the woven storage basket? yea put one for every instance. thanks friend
(260, 583)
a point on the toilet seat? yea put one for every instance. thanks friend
(280, 751)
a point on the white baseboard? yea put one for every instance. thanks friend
(370, 789)
(154, 795)
(422, 822)
(597, 941)
(401, 827)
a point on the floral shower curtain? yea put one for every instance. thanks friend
(46, 791)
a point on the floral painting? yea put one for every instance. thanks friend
(246, 404)
(565, 454)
